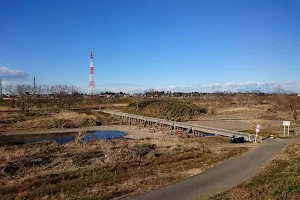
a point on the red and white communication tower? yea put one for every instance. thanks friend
(92, 89)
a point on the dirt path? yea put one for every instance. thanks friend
(222, 177)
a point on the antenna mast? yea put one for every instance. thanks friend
(92, 89)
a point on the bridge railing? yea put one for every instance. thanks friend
(217, 131)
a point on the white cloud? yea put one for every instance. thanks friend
(293, 84)
(171, 88)
(267, 84)
(5, 83)
(231, 84)
(10, 73)
(117, 85)
(290, 82)
(209, 87)
(248, 84)
(117, 90)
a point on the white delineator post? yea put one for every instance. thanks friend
(286, 123)
(257, 129)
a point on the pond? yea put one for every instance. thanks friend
(60, 138)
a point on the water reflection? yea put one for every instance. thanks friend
(103, 135)
(60, 138)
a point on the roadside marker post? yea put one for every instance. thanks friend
(286, 123)
(257, 129)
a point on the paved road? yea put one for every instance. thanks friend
(222, 177)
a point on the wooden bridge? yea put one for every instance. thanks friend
(173, 125)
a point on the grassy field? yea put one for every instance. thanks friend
(106, 169)
(44, 120)
(161, 108)
(11, 120)
(252, 107)
(279, 180)
(122, 168)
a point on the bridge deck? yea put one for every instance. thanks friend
(194, 127)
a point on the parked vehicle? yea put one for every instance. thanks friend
(234, 139)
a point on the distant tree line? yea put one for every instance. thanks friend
(60, 96)
(25, 96)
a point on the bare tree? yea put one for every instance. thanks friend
(23, 93)
(289, 103)
(63, 95)
(225, 99)
(138, 99)
(60, 95)
(241, 99)
(10, 89)
(37, 90)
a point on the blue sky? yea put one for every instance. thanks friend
(188, 45)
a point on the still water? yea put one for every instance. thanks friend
(60, 138)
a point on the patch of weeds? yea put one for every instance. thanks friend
(143, 149)
(294, 189)
(177, 147)
(20, 165)
(84, 158)
(277, 192)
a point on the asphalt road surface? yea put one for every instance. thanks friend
(222, 177)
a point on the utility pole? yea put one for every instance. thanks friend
(34, 86)
(137, 102)
(0, 87)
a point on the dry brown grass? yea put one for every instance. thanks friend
(64, 119)
(7, 119)
(177, 110)
(6, 108)
(44, 119)
(106, 169)
(234, 110)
